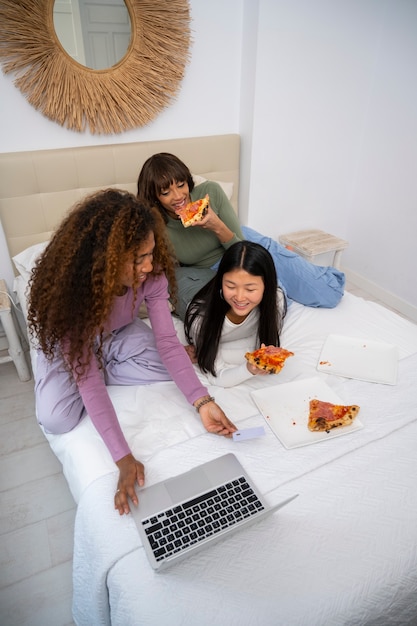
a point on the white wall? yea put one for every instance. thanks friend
(208, 102)
(324, 95)
(334, 142)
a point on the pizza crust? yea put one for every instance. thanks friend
(269, 358)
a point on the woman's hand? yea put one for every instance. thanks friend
(131, 472)
(190, 350)
(215, 421)
(256, 371)
(211, 221)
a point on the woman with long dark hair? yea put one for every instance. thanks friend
(240, 309)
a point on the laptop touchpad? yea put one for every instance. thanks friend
(187, 485)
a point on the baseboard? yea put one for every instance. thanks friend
(386, 297)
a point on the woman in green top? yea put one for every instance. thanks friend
(165, 182)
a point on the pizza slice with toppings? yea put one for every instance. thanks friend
(194, 212)
(269, 358)
(324, 416)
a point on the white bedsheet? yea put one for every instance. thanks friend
(155, 417)
(343, 553)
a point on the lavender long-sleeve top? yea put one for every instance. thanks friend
(92, 387)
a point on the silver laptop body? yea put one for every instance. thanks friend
(183, 514)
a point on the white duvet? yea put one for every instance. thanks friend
(155, 417)
(344, 552)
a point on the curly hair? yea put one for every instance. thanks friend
(158, 173)
(74, 282)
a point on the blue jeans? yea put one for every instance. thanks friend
(302, 281)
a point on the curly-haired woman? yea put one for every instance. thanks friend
(108, 256)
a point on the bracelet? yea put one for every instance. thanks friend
(203, 402)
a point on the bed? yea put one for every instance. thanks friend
(344, 552)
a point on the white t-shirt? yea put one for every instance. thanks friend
(236, 339)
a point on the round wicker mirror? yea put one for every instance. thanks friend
(128, 95)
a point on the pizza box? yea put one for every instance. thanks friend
(285, 409)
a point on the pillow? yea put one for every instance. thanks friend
(227, 187)
(25, 260)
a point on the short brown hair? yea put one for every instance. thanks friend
(157, 174)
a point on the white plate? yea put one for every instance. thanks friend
(352, 357)
(285, 408)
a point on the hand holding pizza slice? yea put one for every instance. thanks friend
(268, 358)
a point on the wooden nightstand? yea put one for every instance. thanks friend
(10, 341)
(316, 246)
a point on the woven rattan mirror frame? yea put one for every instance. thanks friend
(127, 95)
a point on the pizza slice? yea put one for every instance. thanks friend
(269, 358)
(194, 212)
(324, 416)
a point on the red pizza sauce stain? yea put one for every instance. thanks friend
(325, 363)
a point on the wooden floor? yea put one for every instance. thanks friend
(37, 514)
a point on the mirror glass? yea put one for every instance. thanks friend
(95, 33)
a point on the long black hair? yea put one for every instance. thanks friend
(209, 305)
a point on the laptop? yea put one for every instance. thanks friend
(183, 514)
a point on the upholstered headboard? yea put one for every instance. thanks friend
(38, 188)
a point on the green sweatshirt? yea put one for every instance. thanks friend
(200, 247)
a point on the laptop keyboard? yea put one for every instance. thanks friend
(191, 522)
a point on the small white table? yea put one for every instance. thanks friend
(13, 344)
